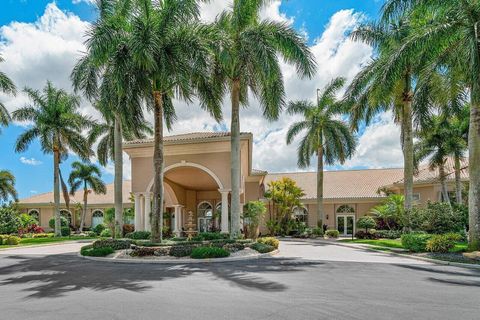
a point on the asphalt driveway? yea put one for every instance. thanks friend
(306, 281)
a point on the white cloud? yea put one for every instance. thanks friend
(30, 161)
(86, 1)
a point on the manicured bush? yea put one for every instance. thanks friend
(177, 239)
(99, 228)
(11, 241)
(139, 235)
(366, 235)
(63, 222)
(440, 243)
(9, 220)
(91, 234)
(43, 235)
(115, 244)
(415, 242)
(262, 247)
(65, 231)
(182, 250)
(440, 217)
(271, 241)
(366, 222)
(332, 233)
(317, 231)
(208, 253)
(455, 237)
(205, 236)
(389, 234)
(90, 251)
(106, 233)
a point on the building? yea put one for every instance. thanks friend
(197, 180)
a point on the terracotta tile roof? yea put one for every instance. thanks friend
(93, 198)
(193, 136)
(256, 172)
(426, 175)
(344, 183)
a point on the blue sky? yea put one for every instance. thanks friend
(20, 18)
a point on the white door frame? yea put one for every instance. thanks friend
(345, 216)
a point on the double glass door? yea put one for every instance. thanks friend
(205, 224)
(346, 225)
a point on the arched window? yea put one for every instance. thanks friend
(205, 217)
(67, 215)
(97, 218)
(300, 214)
(345, 208)
(205, 209)
(35, 214)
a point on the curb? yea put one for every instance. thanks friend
(47, 244)
(182, 261)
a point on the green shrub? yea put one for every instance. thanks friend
(415, 242)
(90, 251)
(177, 239)
(440, 243)
(389, 234)
(11, 240)
(455, 237)
(440, 217)
(332, 233)
(9, 220)
(43, 235)
(271, 241)
(138, 235)
(262, 247)
(65, 231)
(208, 253)
(106, 233)
(182, 250)
(140, 251)
(91, 234)
(63, 222)
(99, 228)
(317, 231)
(366, 222)
(115, 244)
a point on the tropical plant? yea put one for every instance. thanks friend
(391, 211)
(57, 123)
(448, 31)
(9, 220)
(7, 186)
(6, 86)
(253, 213)
(248, 58)
(327, 137)
(87, 176)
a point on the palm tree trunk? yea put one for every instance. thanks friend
(235, 160)
(56, 191)
(118, 180)
(474, 170)
(158, 164)
(443, 183)
(458, 181)
(408, 146)
(84, 211)
(320, 213)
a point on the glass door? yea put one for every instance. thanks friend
(346, 225)
(350, 221)
(341, 224)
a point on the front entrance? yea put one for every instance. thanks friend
(205, 224)
(346, 225)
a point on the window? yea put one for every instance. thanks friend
(345, 208)
(97, 218)
(35, 214)
(205, 209)
(416, 197)
(67, 215)
(300, 214)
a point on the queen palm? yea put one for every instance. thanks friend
(249, 58)
(327, 137)
(449, 32)
(87, 176)
(7, 186)
(6, 86)
(57, 123)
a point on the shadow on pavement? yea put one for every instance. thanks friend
(56, 275)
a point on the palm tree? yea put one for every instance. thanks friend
(449, 32)
(6, 86)
(326, 136)
(88, 176)
(7, 186)
(249, 58)
(57, 123)
(391, 210)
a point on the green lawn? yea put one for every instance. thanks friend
(39, 241)
(381, 243)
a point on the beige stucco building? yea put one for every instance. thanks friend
(197, 180)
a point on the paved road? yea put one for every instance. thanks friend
(307, 281)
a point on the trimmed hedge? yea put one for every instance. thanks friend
(366, 235)
(332, 233)
(90, 251)
(11, 241)
(415, 242)
(208, 253)
(262, 247)
(106, 233)
(115, 244)
(389, 234)
(271, 241)
(139, 235)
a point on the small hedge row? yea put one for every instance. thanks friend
(90, 251)
(9, 240)
(262, 247)
(271, 241)
(115, 244)
(139, 235)
(208, 253)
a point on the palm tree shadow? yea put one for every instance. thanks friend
(57, 275)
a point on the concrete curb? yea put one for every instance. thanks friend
(47, 244)
(398, 254)
(182, 261)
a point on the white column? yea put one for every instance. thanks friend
(224, 218)
(138, 213)
(178, 212)
(148, 210)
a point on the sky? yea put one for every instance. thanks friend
(41, 40)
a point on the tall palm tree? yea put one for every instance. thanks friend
(249, 58)
(449, 32)
(57, 123)
(326, 136)
(6, 86)
(87, 176)
(7, 186)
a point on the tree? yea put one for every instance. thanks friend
(253, 213)
(8, 87)
(7, 186)
(448, 31)
(327, 137)
(248, 58)
(366, 222)
(87, 176)
(57, 123)
(392, 211)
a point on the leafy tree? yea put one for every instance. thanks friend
(87, 176)
(8, 87)
(253, 213)
(9, 220)
(7, 186)
(366, 222)
(249, 58)
(392, 211)
(57, 123)
(327, 137)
